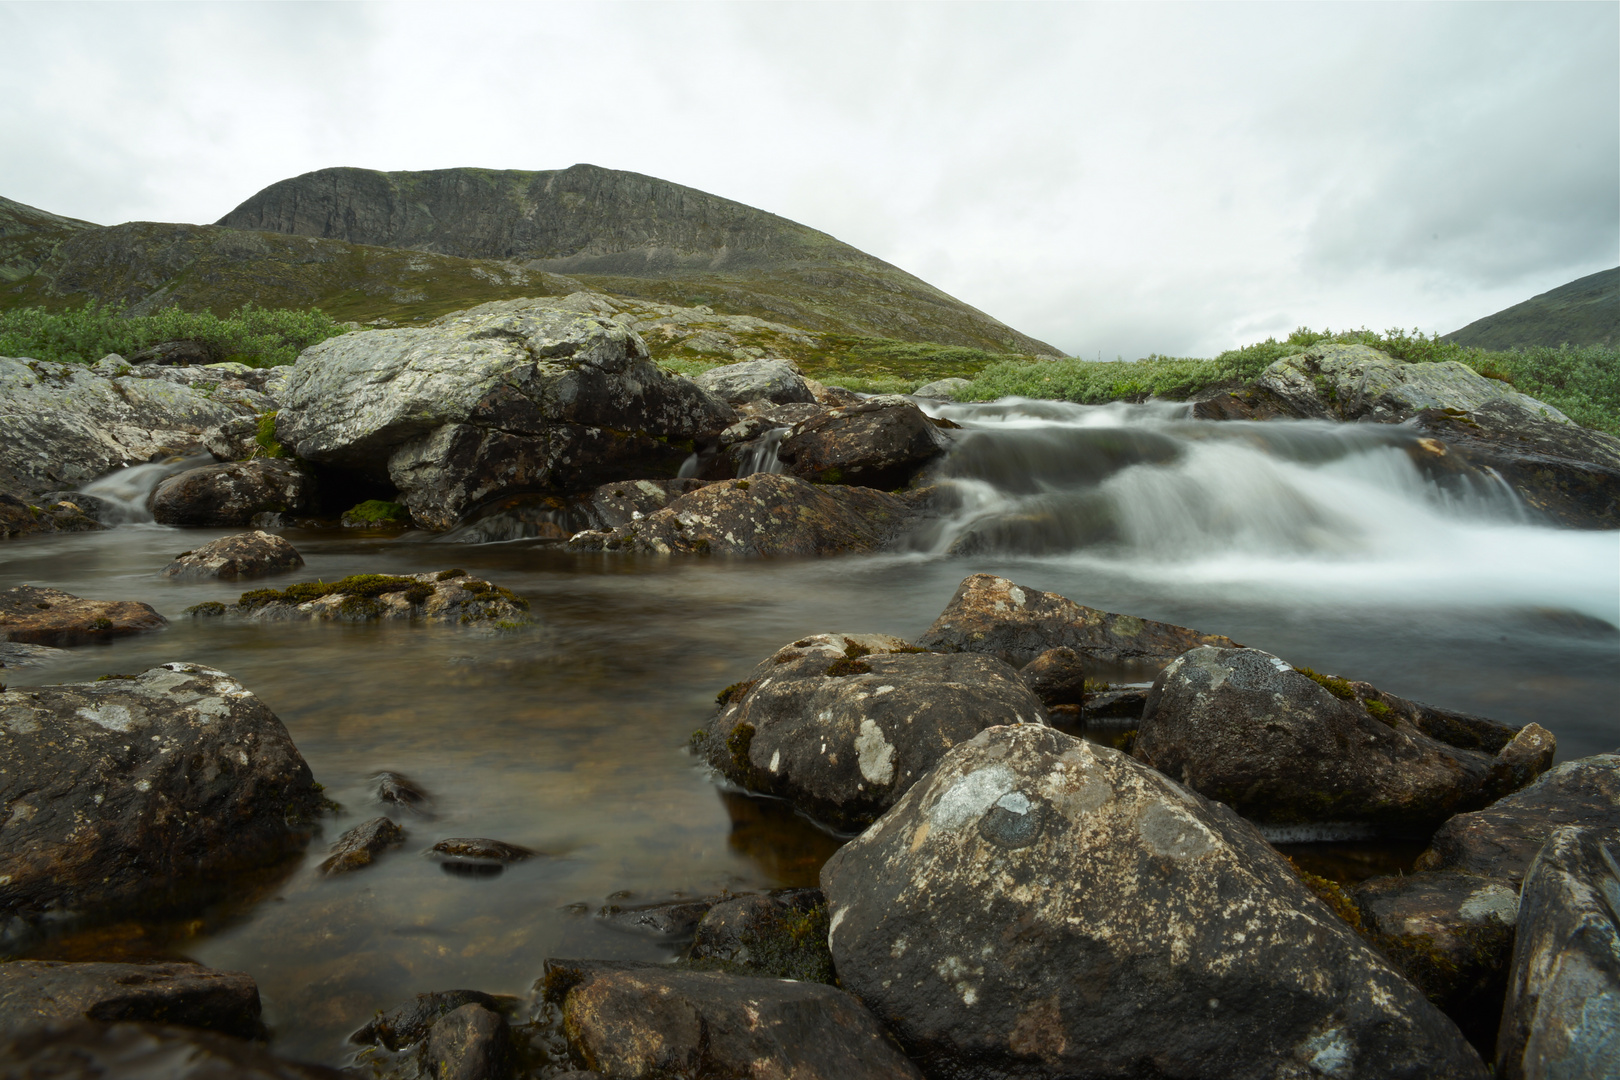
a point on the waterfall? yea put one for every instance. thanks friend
(127, 489)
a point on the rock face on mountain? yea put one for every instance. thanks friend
(587, 220)
(28, 235)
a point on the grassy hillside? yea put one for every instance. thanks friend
(1584, 312)
(28, 235)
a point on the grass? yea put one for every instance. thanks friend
(257, 337)
(871, 365)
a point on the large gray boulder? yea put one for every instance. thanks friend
(137, 784)
(1562, 1014)
(1039, 906)
(233, 493)
(233, 558)
(509, 396)
(776, 381)
(841, 725)
(882, 442)
(1282, 749)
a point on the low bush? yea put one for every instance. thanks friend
(258, 337)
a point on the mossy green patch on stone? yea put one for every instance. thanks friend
(206, 609)
(376, 512)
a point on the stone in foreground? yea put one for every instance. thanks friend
(645, 1023)
(840, 725)
(1562, 1015)
(126, 787)
(232, 558)
(1038, 906)
(233, 493)
(36, 993)
(41, 616)
(1280, 748)
(992, 615)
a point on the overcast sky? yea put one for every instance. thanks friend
(1115, 179)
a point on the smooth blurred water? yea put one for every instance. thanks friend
(1324, 544)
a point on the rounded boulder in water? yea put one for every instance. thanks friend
(1038, 906)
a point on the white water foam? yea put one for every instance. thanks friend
(127, 489)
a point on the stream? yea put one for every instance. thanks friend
(1326, 544)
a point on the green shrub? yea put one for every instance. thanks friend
(250, 335)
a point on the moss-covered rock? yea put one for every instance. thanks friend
(460, 599)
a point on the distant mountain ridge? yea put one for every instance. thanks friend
(28, 235)
(1586, 311)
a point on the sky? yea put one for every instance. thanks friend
(1115, 179)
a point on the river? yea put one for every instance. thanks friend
(1325, 544)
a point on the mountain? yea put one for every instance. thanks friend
(1584, 312)
(28, 235)
(632, 235)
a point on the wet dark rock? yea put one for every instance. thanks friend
(781, 934)
(409, 1023)
(776, 381)
(646, 1022)
(1500, 840)
(102, 511)
(767, 514)
(41, 616)
(883, 442)
(557, 517)
(175, 354)
(1123, 704)
(992, 615)
(471, 1043)
(92, 1051)
(447, 596)
(25, 515)
(1038, 906)
(232, 492)
(674, 920)
(121, 789)
(1057, 677)
(360, 846)
(232, 558)
(476, 856)
(37, 993)
(400, 790)
(1562, 1014)
(840, 725)
(1283, 749)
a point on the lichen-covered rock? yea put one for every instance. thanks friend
(1038, 906)
(942, 389)
(231, 558)
(66, 424)
(36, 993)
(21, 515)
(448, 596)
(776, 381)
(766, 514)
(992, 615)
(42, 616)
(233, 493)
(117, 788)
(129, 1051)
(1283, 749)
(359, 847)
(781, 934)
(883, 442)
(518, 395)
(647, 1022)
(1562, 1014)
(1500, 840)
(840, 725)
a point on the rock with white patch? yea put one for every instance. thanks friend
(840, 725)
(134, 785)
(777, 381)
(1562, 1014)
(1038, 906)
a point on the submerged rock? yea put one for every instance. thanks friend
(17, 655)
(1562, 1015)
(360, 846)
(841, 725)
(448, 596)
(36, 993)
(992, 615)
(776, 381)
(1285, 749)
(1039, 906)
(403, 792)
(647, 1021)
(42, 616)
(883, 442)
(129, 1051)
(231, 558)
(670, 920)
(118, 790)
(766, 514)
(233, 493)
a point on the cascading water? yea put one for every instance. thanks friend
(127, 490)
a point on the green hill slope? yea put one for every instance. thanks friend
(28, 235)
(1584, 312)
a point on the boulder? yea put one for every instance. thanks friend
(1056, 676)
(776, 381)
(175, 354)
(23, 515)
(992, 615)
(232, 493)
(1286, 750)
(37, 993)
(781, 934)
(231, 558)
(766, 514)
(42, 616)
(1562, 1014)
(67, 424)
(647, 1022)
(120, 789)
(882, 442)
(1500, 840)
(408, 1024)
(841, 725)
(942, 389)
(470, 1043)
(477, 856)
(360, 846)
(557, 517)
(511, 396)
(1039, 906)
(128, 1051)
(448, 596)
